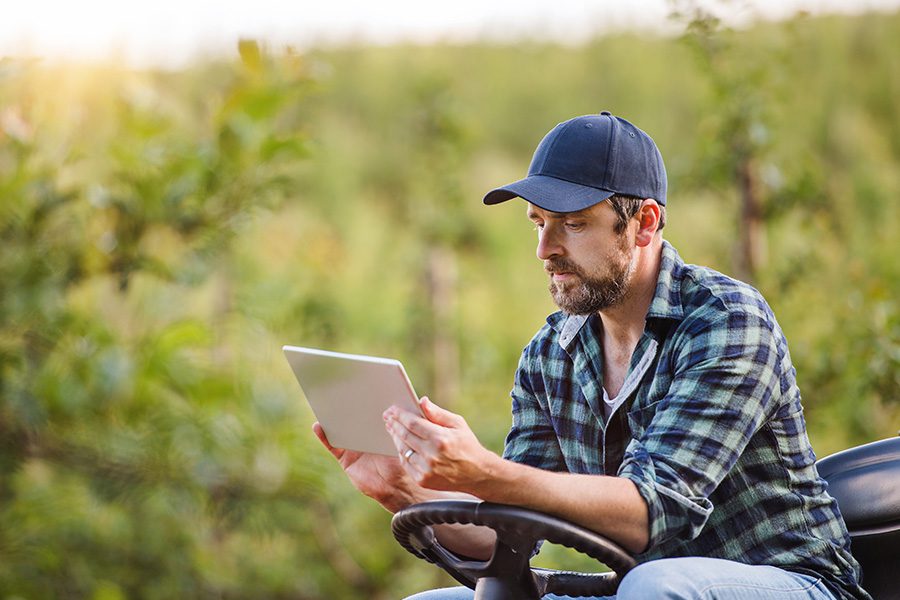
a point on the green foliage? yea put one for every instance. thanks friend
(164, 233)
(138, 454)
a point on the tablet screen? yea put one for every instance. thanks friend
(348, 394)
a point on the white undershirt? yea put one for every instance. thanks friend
(631, 382)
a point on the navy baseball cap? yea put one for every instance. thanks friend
(586, 160)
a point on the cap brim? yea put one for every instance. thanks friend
(549, 193)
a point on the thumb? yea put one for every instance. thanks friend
(320, 433)
(438, 415)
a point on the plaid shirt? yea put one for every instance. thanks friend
(711, 431)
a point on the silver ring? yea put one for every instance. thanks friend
(409, 452)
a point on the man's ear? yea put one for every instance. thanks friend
(648, 222)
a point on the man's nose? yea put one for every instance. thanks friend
(548, 244)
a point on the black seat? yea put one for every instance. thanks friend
(865, 480)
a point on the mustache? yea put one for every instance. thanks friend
(561, 265)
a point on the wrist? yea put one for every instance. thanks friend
(492, 476)
(413, 495)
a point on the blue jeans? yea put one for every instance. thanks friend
(694, 578)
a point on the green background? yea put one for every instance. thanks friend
(164, 232)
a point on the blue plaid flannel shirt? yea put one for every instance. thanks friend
(711, 432)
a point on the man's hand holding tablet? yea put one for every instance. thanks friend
(364, 398)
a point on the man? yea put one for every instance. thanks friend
(658, 408)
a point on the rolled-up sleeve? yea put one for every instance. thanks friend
(724, 383)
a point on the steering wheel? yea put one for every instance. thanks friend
(507, 574)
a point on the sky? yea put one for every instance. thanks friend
(174, 31)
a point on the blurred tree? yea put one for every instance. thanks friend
(746, 83)
(122, 459)
(434, 204)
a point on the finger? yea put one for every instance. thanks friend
(411, 460)
(415, 466)
(415, 424)
(438, 415)
(320, 433)
(403, 439)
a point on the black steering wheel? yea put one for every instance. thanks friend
(507, 574)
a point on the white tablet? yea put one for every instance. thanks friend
(348, 394)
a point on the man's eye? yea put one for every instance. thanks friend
(574, 226)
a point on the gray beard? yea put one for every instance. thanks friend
(591, 295)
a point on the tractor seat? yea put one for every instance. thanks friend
(865, 481)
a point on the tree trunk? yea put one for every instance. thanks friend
(442, 287)
(752, 250)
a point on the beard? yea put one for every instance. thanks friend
(590, 294)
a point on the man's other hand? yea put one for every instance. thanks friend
(439, 451)
(380, 477)
(385, 479)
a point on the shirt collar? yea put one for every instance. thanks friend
(666, 303)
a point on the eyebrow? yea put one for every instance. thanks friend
(532, 214)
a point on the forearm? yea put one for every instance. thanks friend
(610, 506)
(446, 455)
(467, 540)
